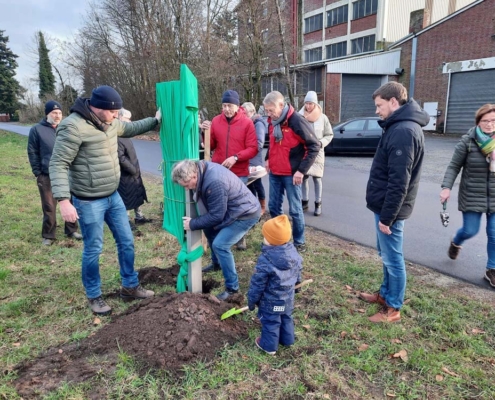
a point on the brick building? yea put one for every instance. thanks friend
(453, 70)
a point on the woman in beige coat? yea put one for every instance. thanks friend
(323, 131)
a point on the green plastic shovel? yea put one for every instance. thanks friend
(234, 311)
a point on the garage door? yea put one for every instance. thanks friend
(356, 95)
(468, 92)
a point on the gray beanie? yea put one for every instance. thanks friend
(311, 97)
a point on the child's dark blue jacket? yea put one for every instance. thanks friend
(272, 284)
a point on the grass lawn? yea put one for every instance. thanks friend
(442, 349)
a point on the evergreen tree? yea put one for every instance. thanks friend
(47, 79)
(10, 90)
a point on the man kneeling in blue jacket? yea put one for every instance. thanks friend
(227, 211)
(272, 285)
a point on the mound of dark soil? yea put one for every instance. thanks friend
(164, 332)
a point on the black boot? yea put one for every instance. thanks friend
(305, 204)
(212, 267)
(317, 209)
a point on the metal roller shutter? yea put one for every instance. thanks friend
(468, 92)
(356, 95)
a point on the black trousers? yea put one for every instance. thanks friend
(49, 206)
(257, 189)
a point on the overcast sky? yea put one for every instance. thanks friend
(20, 19)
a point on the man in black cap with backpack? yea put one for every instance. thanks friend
(85, 165)
(40, 147)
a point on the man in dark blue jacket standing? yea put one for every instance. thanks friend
(40, 148)
(392, 188)
(227, 211)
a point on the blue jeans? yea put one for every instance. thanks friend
(276, 329)
(471, 222)
(278, 185)
(389, 248)
(221, 241)
(92, 214)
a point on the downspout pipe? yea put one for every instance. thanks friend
(412, 80)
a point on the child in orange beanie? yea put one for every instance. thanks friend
(272, 285)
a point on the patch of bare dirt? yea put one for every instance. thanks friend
(164, 332)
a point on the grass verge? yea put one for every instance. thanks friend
(442, 349)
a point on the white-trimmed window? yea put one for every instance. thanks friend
(363, 44)
(314, 23)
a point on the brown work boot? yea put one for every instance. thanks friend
(490, 277)
(263, 206)
(372, 298)
(99, 307)
(386, 314)
(454, 250)
(135, 293)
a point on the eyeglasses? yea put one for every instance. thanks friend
(487, 121)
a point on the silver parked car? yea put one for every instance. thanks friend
(358, 135)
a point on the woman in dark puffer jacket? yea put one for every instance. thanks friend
(475, 154)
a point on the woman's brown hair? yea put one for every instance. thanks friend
(483, 110)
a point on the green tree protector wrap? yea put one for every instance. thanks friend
(179, 138)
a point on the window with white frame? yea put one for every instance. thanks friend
(337, 50)
(265, 63)
(264, 36)
(312, 55)
(337, 16)
(363, 8)
(309, 80)
(363, 44)
(314, 23)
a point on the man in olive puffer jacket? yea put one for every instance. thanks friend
(85, 164)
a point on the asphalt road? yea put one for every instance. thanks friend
(345, 214)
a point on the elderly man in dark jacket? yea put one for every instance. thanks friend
(40, 147)
(392, 188)
(227, 208)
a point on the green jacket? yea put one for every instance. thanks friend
(477, 187)
(85, 157)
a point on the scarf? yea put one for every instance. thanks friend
(313, 115)
(277, 130)
(485, 142)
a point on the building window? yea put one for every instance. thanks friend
(362, 8)
(363, 44)
(309, 80)
(337, 50)
(312, 55)
(337, 16)
(314, 23)
(265, 63)
(280, 85)
(264, 36)
(266, 86)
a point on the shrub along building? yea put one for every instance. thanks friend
(345, 49)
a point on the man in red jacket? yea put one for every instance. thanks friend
(292, 151)
(233, 141)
